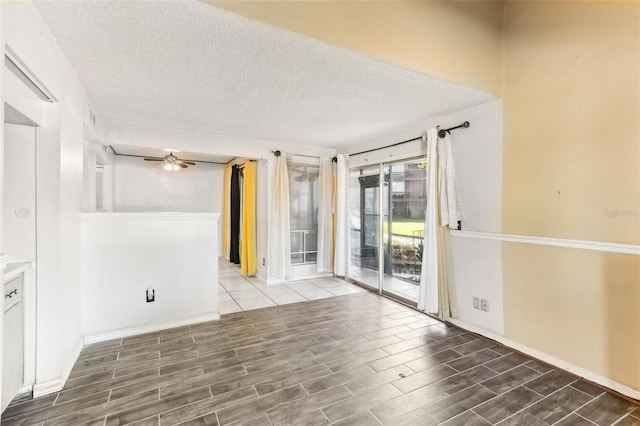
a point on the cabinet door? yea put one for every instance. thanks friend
(13, 351)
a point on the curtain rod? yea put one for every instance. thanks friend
(278, 154)
(441, 134)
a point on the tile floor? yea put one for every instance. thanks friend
(239, 293)
(351, 360)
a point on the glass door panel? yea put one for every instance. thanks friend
(387, 211)
(364, 206)
(407, 204)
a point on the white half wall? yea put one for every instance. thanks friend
(126, 254)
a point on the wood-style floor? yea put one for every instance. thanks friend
(352, 360)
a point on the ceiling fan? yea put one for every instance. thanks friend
(171, 162)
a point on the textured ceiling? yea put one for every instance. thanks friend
(190, 65)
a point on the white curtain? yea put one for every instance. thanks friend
(428, 292)
(341, 213)
(324, 261)
(450, 204)
(279, 241)
(444, 210)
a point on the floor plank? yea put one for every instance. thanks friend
(353, 359)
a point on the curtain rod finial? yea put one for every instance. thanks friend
(276, 153)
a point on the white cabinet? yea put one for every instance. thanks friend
(13, 350)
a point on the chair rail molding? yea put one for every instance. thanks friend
(548, 241)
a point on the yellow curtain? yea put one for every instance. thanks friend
(248, 263)
(225, 216)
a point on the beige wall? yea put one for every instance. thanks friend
(577, 305)
(460, 41)
(569, 75)
(572, 108)
(571, 170)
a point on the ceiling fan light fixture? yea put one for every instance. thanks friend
(170, 163)
(170, 166)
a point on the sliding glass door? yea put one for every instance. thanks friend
(364, 204)
(388, 204)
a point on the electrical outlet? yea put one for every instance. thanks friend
(151, 295)
(476, 302)
(484, 305)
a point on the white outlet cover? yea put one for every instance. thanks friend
(484, 305)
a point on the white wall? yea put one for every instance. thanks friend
(20, 192)
(478, 155)
(2, 255)
(477, 265)
(144, 186)
(124, 254)
(117, 133)
(59, 192)
(95, 155)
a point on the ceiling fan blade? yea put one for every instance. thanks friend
(191, 163)
(184, 166)
(153, 159)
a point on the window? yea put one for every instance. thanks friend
(304, 189)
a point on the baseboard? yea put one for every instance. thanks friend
(47, 387)
(148, 328)
(72, 361)
(550, 359)
(25, 389)
(55, 385)
(317, 275)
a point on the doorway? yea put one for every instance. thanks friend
(19, 228)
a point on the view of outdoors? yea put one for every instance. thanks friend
(403, 213)
(303, 189)
(403, 206)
